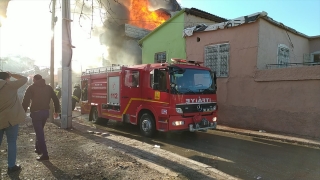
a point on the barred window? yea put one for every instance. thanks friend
(160, 57)
(283, 55)
(217, 59)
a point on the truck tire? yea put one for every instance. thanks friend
(147, 125)
(95, 119)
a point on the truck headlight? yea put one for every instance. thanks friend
(179, 110)
(177, 123)
(214, 119)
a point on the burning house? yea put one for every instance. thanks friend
(112, 30)
(125, 23)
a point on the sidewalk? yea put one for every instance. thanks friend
(283, 138)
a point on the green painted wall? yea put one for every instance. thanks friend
(167, 37)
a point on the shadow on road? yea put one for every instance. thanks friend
(56, 172)
(167, 163)
(241, 156)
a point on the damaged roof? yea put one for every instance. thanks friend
(239, 21)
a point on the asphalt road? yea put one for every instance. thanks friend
(237, 155)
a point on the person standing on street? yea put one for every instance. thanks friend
(40, 95)
(58, 93)
(11, 114)
(76, 95)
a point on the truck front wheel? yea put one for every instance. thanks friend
(94, 115)
(147, 125)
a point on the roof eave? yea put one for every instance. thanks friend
(281, 25)
(314, 37)
(205, 15)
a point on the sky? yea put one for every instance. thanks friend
(29, 26)
(27, 32)
(301, 15)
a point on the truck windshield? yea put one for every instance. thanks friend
(191, 81)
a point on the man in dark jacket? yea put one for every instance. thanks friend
(76, 95)
(40, 95)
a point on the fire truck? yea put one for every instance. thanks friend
(179, 96)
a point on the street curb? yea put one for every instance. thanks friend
(293, 140)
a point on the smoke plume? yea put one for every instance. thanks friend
(106, 19)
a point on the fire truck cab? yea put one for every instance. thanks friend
(157, 97)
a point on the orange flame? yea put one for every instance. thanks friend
(140, 15)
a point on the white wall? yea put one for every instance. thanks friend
(270, 36)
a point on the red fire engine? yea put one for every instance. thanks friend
(157, 97)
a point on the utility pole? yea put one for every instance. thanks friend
(66, 116)
(53, 22)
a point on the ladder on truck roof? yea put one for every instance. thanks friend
(112, 68)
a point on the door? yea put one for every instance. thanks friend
(130, 94)
(156, 92)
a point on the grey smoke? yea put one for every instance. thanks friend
(122, 49)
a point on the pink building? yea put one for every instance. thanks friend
(268, 73)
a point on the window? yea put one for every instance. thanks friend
(160, 57)
(315, 57)
(132, 78)
(158, 80)
(217, 59)
(312, 58)
(283, 55)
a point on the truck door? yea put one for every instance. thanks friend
(157, 92)
(130, 94)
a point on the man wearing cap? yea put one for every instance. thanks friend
(76, 95)
(40, 95)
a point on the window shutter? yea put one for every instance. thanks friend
(217, 59)
(224, 60)
(283, 55)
